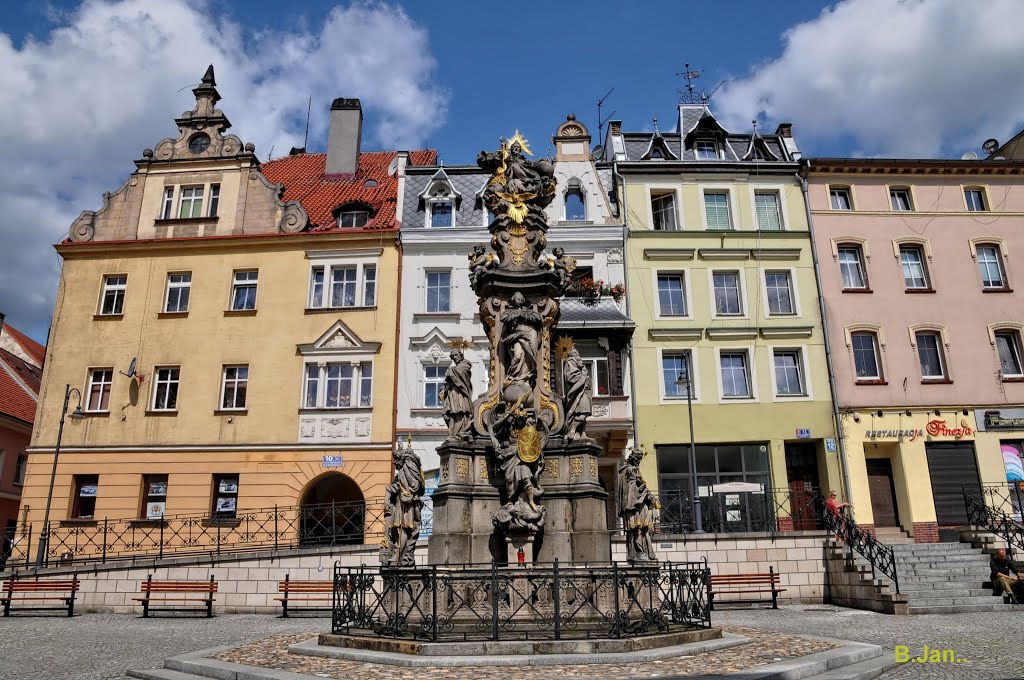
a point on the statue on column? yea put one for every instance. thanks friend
(518, 439)
(457, 394)
(403, 504)
(578, 391)
(521, 344)
(636, 508)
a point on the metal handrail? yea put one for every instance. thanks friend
(880, 556)
(993, 519)
(778, 509)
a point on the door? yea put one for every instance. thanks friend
(802, 471)
(952, 467)
(883, 492)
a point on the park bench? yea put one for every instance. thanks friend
(306, 591)
(50, 590)
(184, 593)
(745, 584)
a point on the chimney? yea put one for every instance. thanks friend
(2, 317)
(784, 130)
(615, 127)
(343, 137)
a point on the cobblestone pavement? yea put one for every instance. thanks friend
(992, 642)
(765, 648)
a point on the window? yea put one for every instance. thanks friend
(779, 286)
(369, 285)
(1008, 347)
(663, 212)
(165, 389)
(83, 505)
(353, 219)
(975, 199)
(789, 374)
(929, 353)
(178, 288)
(316, 288)
(575, 203)
(154, 496)
(336, 385)
(705, 150)
(735, 375)
(865, 356)
(675, 374)
(766, 205)
(344, 286)
(596, 359)
(113, 295)
(728, 300)
(671, 295)
(899, 199)
(20, 465)
(840, 199)
(991, 266)
(214, 199)
(235, 385)
(655, 154)
(190, 204)
(433, 381)
(441, 214)
(716, 207)
(100, 380)
(439, 291)
(915, 275)
(243, 293)
(225, 496)
(167, 212)
(851, 265)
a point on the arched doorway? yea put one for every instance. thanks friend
(332, 511)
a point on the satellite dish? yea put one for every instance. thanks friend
(990, 146)
(131, 368)
(598, 151)
(393, 168)
(969, 156)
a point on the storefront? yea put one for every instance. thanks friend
(1004, 428)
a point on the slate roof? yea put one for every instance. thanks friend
(304, 180)
(31, 347)
(15, 400)
(467, 180)
(605, 314)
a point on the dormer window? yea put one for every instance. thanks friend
(575, 202)
(441, 213)
(706, 150)
(656, 154)
(440, 205)
(353, 215)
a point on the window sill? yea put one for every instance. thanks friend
(151, 412)
(75, 522)
(171, 315)
(239, 312)
(146, 522)
(170, 221)
(936, 381)
(329, 310)
(436, 316)
(857, 290)
(872, 382)
(918, 291)
(427, 411)
(802, 395)
(224, 522)
(997, 290)
(1014, 379)
(95, 414)
(108, 317)
(328, 411)
(230, 411)
(729, 399)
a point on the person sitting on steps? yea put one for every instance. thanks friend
(1006, 576)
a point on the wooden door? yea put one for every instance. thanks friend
(883, 492)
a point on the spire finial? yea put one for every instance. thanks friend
(208, 78)
(656, 131)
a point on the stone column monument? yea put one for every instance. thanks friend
(519, 480)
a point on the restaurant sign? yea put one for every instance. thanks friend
(911, 434)
(1003, 419)
(935, 428)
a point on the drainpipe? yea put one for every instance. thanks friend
(625, 273)
(398, 347)
(837, 420)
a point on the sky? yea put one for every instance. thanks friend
(88, 85)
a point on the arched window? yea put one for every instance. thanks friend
(575, 202)
(440, 206)
(353, 215)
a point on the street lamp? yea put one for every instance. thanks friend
(683, 381)
(77, 414)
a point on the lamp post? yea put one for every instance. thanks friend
(44, 537)
(683, 380)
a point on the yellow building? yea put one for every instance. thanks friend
(230, 328)
(722, 289)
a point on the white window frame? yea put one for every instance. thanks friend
(660, 188)
(998, 248)
(167, 207)
(940, 347)
(115, 288)
(236, 381)
(352, 216)
(846, 189)
(237, 283)
(357, 391)
(570, 187)
(435, 201)
(923, 262)
(177, 285)
(793, 291)
(684, 275)
(214, 207)
(157, 382)
(20, 468)
(716, 149)
(984, 198)
(779, 207)
(92, 382)
(894, 191)
(427, 288)
(877, 345)
(862, 260)
(436, 380)
(1016, 346)
(729, 206)
(691, 352)
(802, 364)
(367, 262)
(742, 283)
(659, 196)
(747, 350)
(191, 199)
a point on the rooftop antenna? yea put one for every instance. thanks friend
(601, 121)
(309, 107)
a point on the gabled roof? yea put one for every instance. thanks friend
(18, 379)
(757, 142)
(36, 351)
(658, 143)
(706, 126)
(303, 178)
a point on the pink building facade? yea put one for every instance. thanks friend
(922, 272)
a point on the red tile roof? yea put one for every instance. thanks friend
(31, 347)
(303, 179)
(26, 372)
(15, 400)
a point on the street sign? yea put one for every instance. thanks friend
(830, 445)
(803, 434)
(332, 461)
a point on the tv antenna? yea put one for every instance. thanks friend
(309, 107)
(601, 121)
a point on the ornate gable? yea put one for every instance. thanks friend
(339, 339)
(201, 130)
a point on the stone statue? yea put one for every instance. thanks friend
(457, 397)
(636, 508)
(563, 266)
(403, 503)
(518, 439)
(578, 399)
(480, 261)
(521, 334)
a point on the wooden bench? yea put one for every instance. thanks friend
(744, 584)
(308, 591)
(41, 591)
(177, 591)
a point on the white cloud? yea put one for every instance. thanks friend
(900, 78)
(83, 101)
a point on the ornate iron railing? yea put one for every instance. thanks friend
(880, 556)
(534, 602)
(989, 512)
(778, 509)
(273, 528)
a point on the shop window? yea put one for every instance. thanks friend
(225, 496)
(154, 496)
(83, 505)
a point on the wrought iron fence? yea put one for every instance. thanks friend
(858, 539)
(534, 602)
(275, 528)
(776, 509)
(998, 510)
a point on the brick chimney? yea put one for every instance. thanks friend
(343, 137)
(784, 130)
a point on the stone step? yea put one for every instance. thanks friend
(964, 608)
(862, 670)
(161, 674)
(949, 572)
(950, 601)
(954, 590)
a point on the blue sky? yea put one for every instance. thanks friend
(89, 83)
